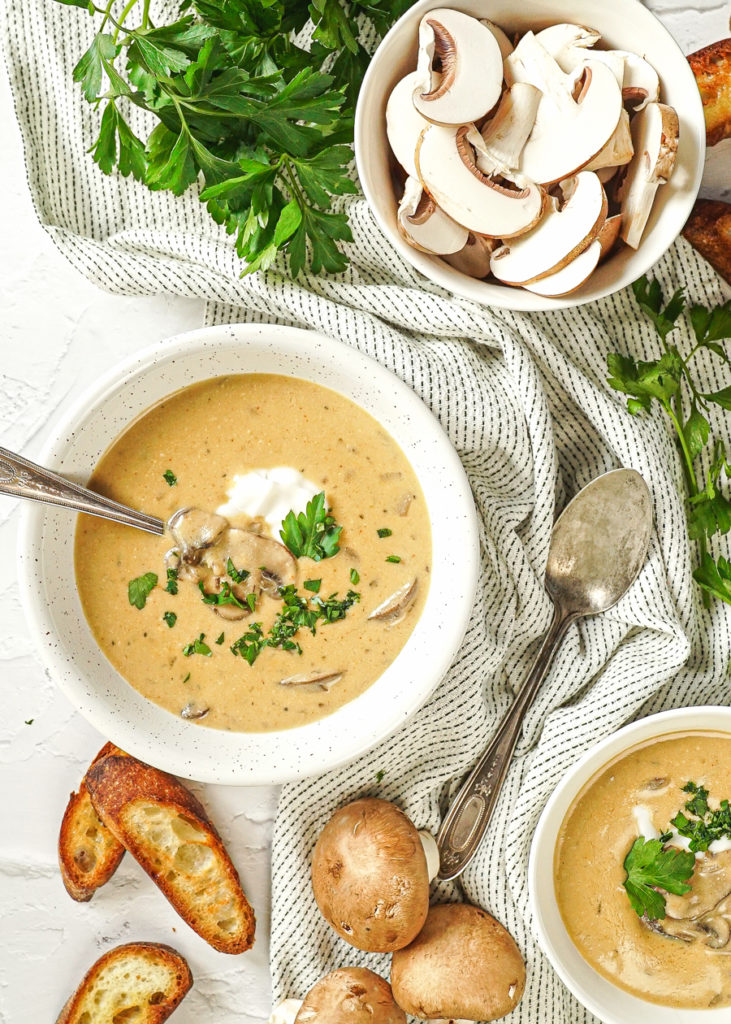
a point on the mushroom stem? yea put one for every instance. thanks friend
(431, 852)
(502, 139)
(286, 1012)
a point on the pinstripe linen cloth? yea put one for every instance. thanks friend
(524, 400)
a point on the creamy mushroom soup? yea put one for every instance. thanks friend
(653, 825)
(222, 622)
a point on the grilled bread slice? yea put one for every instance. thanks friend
(712, 69)
(709, 232)
(167, 830)
(88, 853)
(141, 982)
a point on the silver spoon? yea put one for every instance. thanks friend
(24, 479)
(598, 546)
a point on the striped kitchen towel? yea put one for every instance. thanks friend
(525, 401)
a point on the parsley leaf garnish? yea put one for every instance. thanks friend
(187, 678)
(667, 382)
(384, 532)
(313, 586)
(313, 533)
(170, 618)
(170, 478)
(29, 721)
(650, 866)
(257, 99)
(172, 581)
(251, 644)
(197, 646)
(224, 596)
(379, 774)
(393, 558)
(706, 825)
(237, 575)
(354, 577)
(220, 639)
(139, 589)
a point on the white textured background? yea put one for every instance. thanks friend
(57, 333)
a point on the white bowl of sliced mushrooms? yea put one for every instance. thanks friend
(531, 156)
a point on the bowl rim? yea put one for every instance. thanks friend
(598, 998)
(284, 344)
(520, 300)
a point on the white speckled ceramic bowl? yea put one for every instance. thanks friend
(624, 24)
(99, 692)
(611, 1004)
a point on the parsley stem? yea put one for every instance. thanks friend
(127, 8)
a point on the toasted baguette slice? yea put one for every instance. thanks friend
(88, 853)
(141, 982)
(167, 830)
(709, 232)
(712, 69)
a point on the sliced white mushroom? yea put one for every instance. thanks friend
(500, 142)
(321, 678)
(285, 1012)
(562, 234)
(609, 236)
(474, 258)
(193, 711)
(619, 150)
(194, 529)
(570, 277)
(445, 162)
(503, 40)
(655, 139)
(605, 174)
(576, 117)
(404, 123)
(424, 225)
(556, 39)
(395, 607)
(471, 68)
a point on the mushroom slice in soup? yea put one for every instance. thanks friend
(193, 711)
(395, 607)
(194, 529)
(320, 678)
(265, 560)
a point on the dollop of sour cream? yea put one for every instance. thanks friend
(268, 494)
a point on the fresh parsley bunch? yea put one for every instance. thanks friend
(266, 123)
(668, 382)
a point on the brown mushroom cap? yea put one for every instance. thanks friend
(350, 995)
(369, 876)
(462, 964)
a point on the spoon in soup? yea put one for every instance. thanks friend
(598, 545)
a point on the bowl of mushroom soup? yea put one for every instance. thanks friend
(630, 871)
(425, 188)
(293, 615)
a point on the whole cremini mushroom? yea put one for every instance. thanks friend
(463, 965)
(371, 870)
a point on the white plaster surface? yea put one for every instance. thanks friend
(57, 333)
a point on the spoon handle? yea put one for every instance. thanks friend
(24, 479)
(468, 817)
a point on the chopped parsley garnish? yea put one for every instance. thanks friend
(251, 644)
(380, 774)
(187, 678)
(333, 610)
(393, 558)
(197, 647)
(354, 577)
(29, 721)
(650, 866)
(172, 584)
(220, 639)
(313, 533)
(170, 618)
(170, 478)
(384, 532)
(251, 601)
(706, 825)
(313, 586)
(224, 596)
(237, 575)
(139, 589)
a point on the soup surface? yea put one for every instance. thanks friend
(684, 958)
(176, 650)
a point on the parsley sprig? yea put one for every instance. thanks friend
(650, 866)
(668, 382)
(265, 122)
(313, 533)
(705, 825)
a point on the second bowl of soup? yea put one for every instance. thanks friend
(293, 613)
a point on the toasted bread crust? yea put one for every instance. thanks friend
(709, 232)
(163, 956)
(712, 69)
(166, 829)
(87, 861)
